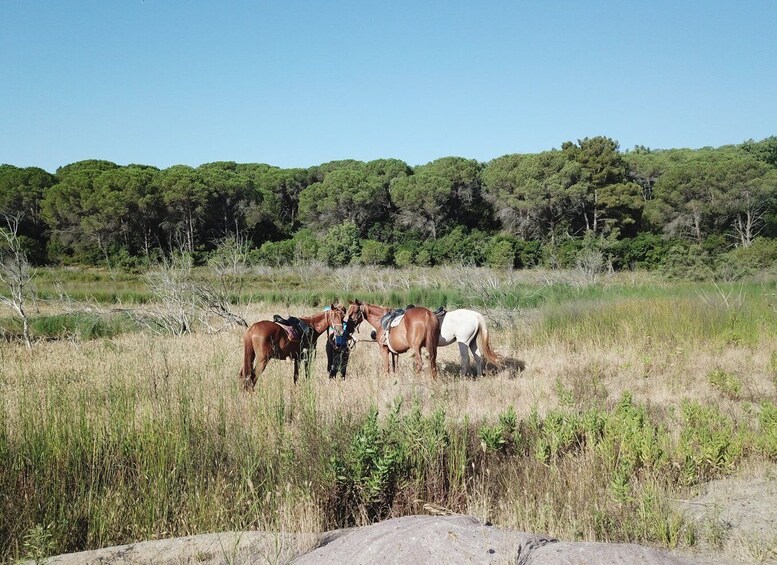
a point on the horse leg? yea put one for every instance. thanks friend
(296, 370)
(419, 361)
(464, 352)
(476, 355)
(384, 351)
(261, 363)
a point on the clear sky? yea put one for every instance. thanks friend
(298, 83)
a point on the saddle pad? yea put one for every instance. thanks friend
(395, 322)
(393, 318)
(291, 332)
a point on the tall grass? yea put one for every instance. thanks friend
(93, 461)
(457, 287)
(140, 437)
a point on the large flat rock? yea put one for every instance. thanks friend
(407, 540)
(464, 539)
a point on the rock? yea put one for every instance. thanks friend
(464, 539)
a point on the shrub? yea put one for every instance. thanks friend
(340, 245)
(709, 444)
(305, 246)
(759, 255)
(646, 251)
(276, 253)
(561, 254)
(528, 253)
(425, 255)
(726, 383)
(688, 262)
(404, 256)
(375, 253)
(500, 253)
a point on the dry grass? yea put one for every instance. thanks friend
(135, 388)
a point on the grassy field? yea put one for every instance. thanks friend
(635, 392)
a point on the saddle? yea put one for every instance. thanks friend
(392, 318)
(296, 329)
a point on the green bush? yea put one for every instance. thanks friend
(404, 256)
(759, 255)
(375, 253)
(645, 251)
(709, 445)
(726, 383)
(767, 437)
(561, 254)
(340, 245)
(689, 262)
(425, 256)
(500, 253)
(305, 246)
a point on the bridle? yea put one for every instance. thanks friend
(330, 320)
(360, 310)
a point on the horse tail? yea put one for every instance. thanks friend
(484, 345)
(249, 354)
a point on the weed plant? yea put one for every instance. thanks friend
(134, 436)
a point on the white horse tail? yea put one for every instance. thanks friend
(484, 345)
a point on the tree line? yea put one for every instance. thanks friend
(638, 207)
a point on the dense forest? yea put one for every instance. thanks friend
(696, 211)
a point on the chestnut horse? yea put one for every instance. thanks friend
(267, 340)
(419, 328)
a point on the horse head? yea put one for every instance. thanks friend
(334, 317)
(355, 313)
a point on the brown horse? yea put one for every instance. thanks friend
(267, 340)
(419, 328)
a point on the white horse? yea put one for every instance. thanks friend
(468, 329)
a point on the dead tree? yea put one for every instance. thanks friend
(15, 273)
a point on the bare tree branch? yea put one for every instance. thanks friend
(15, 273)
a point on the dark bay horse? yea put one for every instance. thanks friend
(419, 328)
(267, 340)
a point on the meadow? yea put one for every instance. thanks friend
(620, 394)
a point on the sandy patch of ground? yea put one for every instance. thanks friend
(737, 516)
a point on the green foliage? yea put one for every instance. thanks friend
(375, 253)
(728, 384)
(709, 444)
(385, 457)
(498, 213)
(276, 253)
(340, 245)
(79, 325)
(689, 262)
(760, 255)
(345, 194)
(645, 251)
(767, 435)
(424, 257)
(366, 473)
(404, 256)
(499, 438)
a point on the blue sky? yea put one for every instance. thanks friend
(294, 83)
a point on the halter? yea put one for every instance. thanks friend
(330, 322)
(361, 309)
